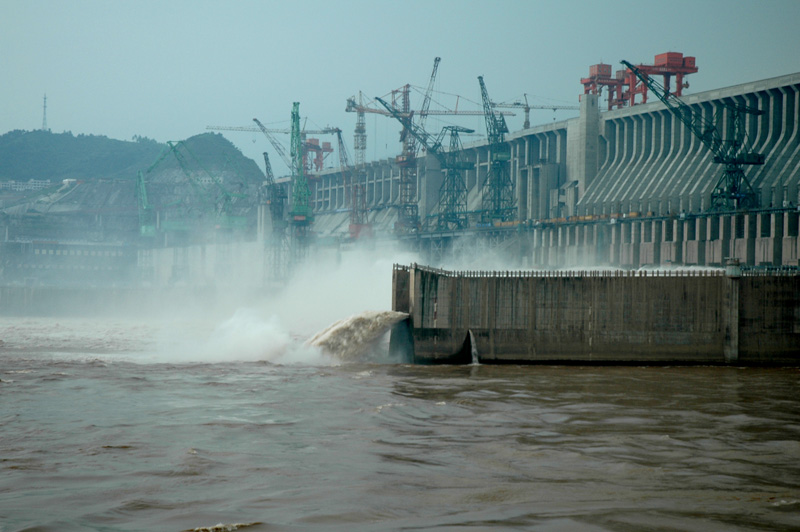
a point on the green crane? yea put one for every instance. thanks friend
(732, 190)
(452, 206)
(301, 216)
(148, 220)
(498, 190)
(276, 243)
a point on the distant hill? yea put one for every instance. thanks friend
(26, 155)
(188, 180)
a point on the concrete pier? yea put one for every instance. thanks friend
(610, 317)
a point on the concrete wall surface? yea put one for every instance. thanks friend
(688, 317)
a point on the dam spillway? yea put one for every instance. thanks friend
(610, 317)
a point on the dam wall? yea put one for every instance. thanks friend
(639, 166)
(632, 317)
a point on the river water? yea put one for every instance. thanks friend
(125, 424)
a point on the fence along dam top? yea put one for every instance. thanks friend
(671, 316)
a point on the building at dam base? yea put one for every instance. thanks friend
(626, 187)
(611, 317)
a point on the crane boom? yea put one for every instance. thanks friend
(430, 142)
(274, 142)
(452, 204)
(526, 107)
(498, 189)
(732, 190)
(426, 103)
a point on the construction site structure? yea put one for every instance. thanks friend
(526, 107)
(623, 88)
(498, 189)
(451, 212)
(353, 178)
(732, 191)
(300, 215)
(311, 163)
(210, 209)
(276, 244)
(408, 221)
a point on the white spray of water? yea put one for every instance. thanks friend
(355, 338)
(247, 336)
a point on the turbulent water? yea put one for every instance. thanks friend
(129, 425)
(357, 338)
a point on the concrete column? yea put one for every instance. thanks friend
(731, 311)
(585, 135)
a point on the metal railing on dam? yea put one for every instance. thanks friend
(690, 316)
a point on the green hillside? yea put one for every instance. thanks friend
(26, 155)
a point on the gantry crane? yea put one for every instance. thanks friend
(498, 190)
(452, 206)
(732, 190)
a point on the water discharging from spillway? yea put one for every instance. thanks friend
(473, 349)
(358, 338)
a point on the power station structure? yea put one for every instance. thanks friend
(678, 178)
(652, 177)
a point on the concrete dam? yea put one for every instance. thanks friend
(700, 316)
(625, 187)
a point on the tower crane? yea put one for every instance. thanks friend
(357, 105)
(301, 215)
(526, 107)
(452, 207)
(272, 140)
(732, 190)
(426, 102)
(498, 189)
(359, 226)
(276, 198)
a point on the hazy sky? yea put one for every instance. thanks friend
(166, 69)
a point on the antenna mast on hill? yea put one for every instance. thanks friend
(44, 115)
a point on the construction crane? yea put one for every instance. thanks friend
(452, 207)
(453, 193)
(526, 107)
(221, 205)
(148, 223)
(276, 198)
(272, 140)
(426, 102)
(276, 244)
(399, 97)
(311, 146)
(498, 189)
(300, 214)
(359, 225)
(732, 190)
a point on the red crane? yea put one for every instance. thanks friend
(625, 85)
